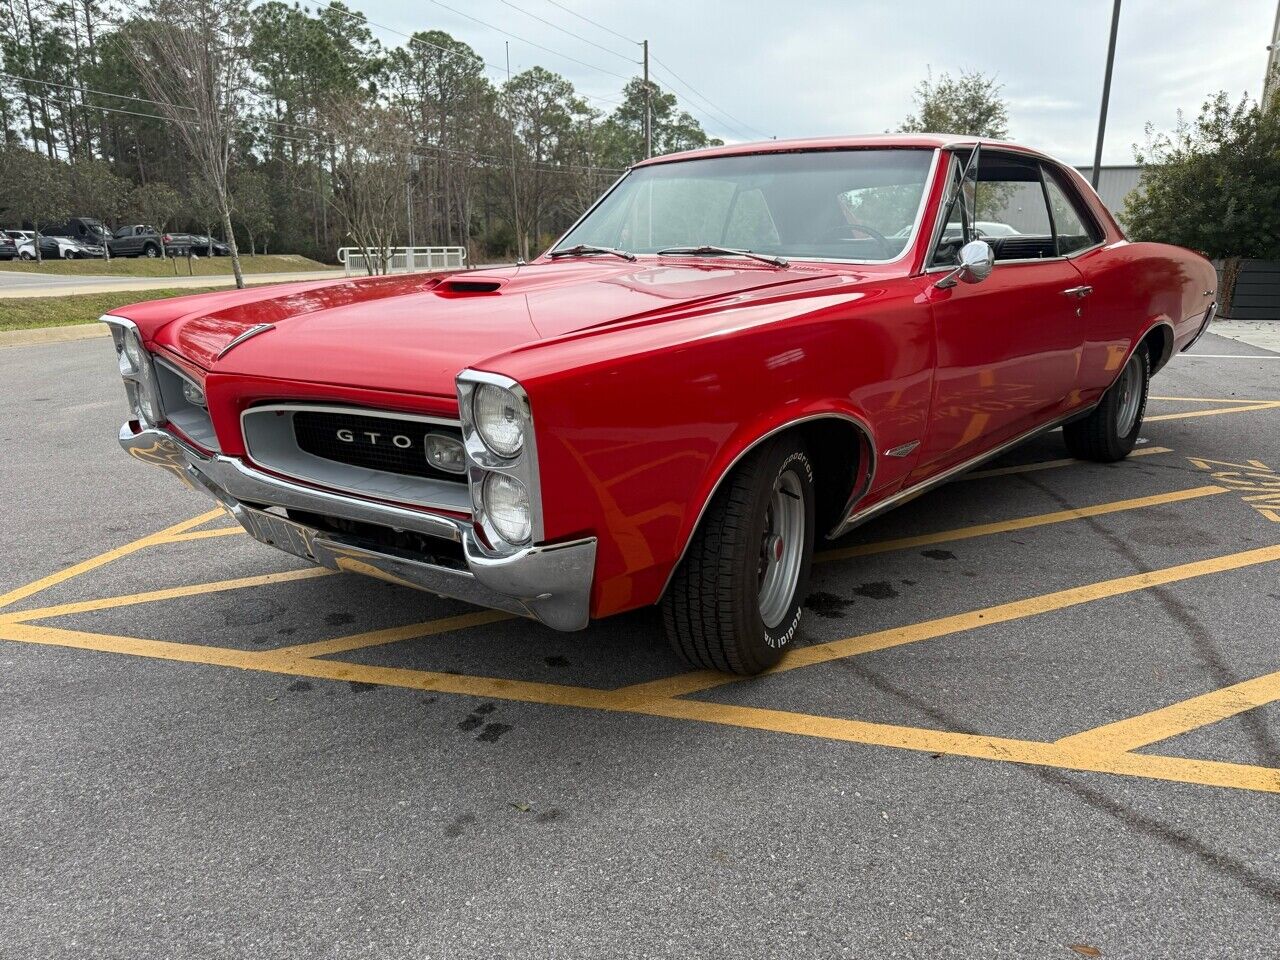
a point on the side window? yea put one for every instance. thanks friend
(1076, 229)
(1012, 214)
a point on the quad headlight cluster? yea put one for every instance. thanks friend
(138, 371)
(497, 431)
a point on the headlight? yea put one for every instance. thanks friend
(499, 419)
(506, 502)
(134, 353)
(137, 371)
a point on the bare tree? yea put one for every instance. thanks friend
(371, 169)
(191, 56)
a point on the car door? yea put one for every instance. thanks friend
(1009, 346)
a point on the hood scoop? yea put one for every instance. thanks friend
(463, 287)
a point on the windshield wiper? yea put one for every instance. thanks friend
(707, 250)
(582, 249)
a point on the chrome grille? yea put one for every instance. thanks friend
(376, 443)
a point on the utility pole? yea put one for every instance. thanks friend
(648, 106)
(515, 197)
(1106, 93)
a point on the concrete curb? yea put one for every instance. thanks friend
(78, 331)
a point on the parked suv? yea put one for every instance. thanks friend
(90, 232)
(142, 240)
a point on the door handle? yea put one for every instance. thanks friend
(1078, 292)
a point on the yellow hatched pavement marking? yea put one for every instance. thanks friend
(1264, 405)
(1078, 756)
(1211, 399)
(168, 593)
(21, 593)
(1179, 718)
(1050, 464)
(697, 681)
(1019, 523)
(377, 638)
(203, 534)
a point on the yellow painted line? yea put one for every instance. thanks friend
(1265, 405)
(375, 638)
(169, 593)
(270, 661)
(1211, 399)
(203, 534)
(1019, 523)
(1203, 772)
(1049, 464)
(21, 593)
(1181, 717)
(682, 684)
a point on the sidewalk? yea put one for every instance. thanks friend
(1264, 334)
(63, 286)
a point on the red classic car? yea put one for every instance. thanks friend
(734, 353)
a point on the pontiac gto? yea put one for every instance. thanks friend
(735, 353)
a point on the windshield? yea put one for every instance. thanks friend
(830, 205)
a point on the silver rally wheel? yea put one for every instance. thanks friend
(782, 549)
(735, 602)
(1130, 396)
(1109, 431)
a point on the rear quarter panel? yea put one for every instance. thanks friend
(636, 425)
(1137, 286)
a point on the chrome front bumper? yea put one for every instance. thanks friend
(551, 583)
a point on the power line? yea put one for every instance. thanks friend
(705, 100)
(569, 33)
(506, 33)
(412, 38)
(541, 165)
(594, 23)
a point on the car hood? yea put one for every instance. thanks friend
(415, 333)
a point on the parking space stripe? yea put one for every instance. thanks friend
(21, 593)
(1265, 405)
(203, 534)
(1211, 399)
(1179, 718)
(696, 682)
(1019, 523)
(169, 593)
(375, 638)
(1204, 772)
(1049, 465)
(978, 746)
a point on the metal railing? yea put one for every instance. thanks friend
(355, 260)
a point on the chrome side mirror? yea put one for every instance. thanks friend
(976, 262)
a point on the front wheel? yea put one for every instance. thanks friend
(735, 602)
(1111, 430)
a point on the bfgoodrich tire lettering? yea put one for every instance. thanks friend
(1111, 430)
(744, 562)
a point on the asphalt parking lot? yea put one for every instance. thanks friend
(1036, 716)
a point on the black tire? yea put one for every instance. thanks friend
(24, 255)
(150, 251)
(711, 611)
(1098, 436)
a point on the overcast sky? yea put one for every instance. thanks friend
(811, 67)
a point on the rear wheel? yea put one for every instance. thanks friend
(735, 602)
(150, 252)
(1111, 430)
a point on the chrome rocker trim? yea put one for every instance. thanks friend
(549, 583)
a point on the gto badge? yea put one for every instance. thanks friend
(373, 438)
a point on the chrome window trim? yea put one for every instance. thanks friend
(481, 461)
(938, 223)
(916, 223)
(443, 498)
